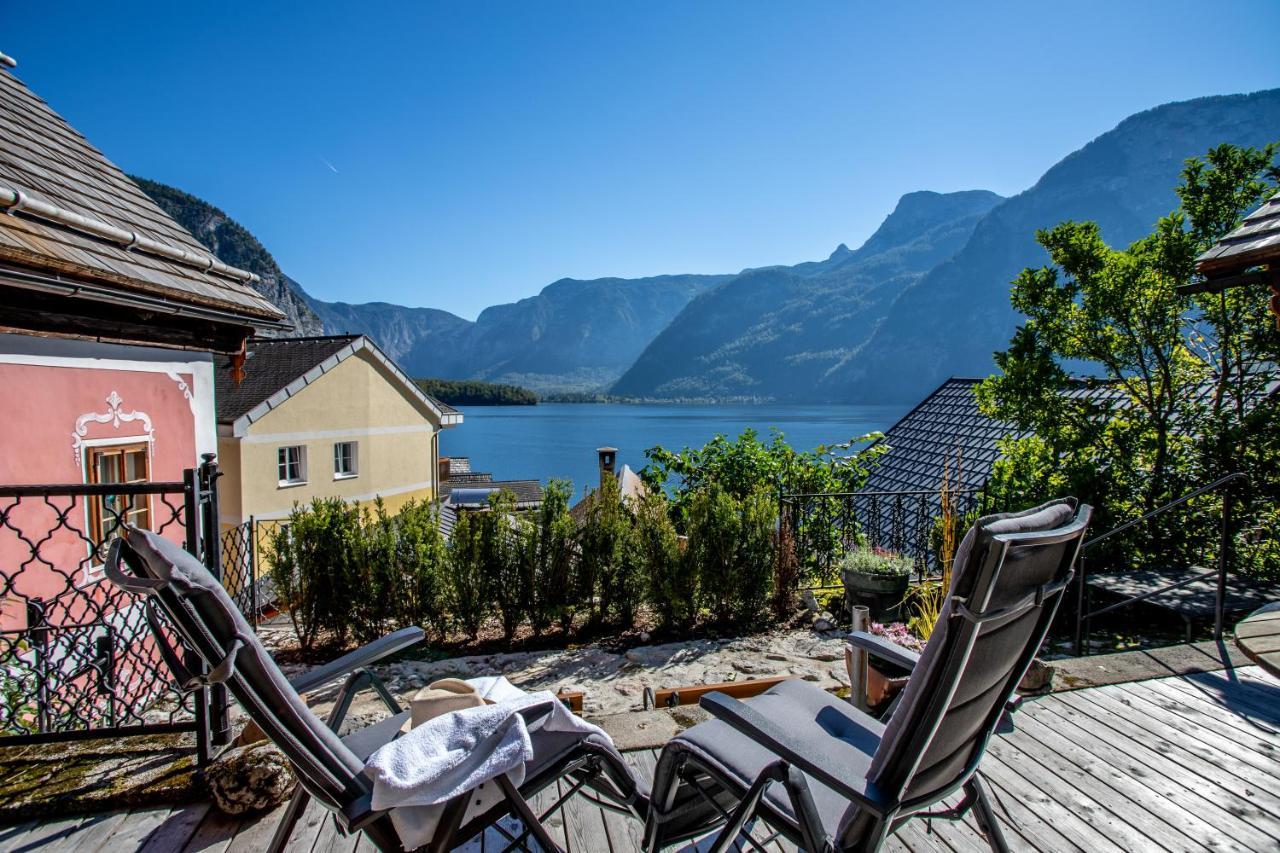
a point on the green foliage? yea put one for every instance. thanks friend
(608, 562)
(315, 562)
(743, 465)
(730, 551)
(473, 392)
(468, 581)
(503, 538)
(421, 568)
(672, 590)
(552, 551)
(870, 561)
(1115, 315)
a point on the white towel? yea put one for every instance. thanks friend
(417, 774)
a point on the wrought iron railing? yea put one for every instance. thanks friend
(77, 658)
(826, 525)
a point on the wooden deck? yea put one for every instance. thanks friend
(1180, 763)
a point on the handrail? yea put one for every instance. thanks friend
(1239, 475)
(878, 494)
(1083, 616)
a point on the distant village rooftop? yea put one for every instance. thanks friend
(277, 368)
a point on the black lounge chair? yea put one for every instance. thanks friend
(330, 767)
(828, 777)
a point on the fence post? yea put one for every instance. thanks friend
(199, 697)
(1078, 639)
(251, 550)
(220, 728)
(857, 660)
(1224, 546)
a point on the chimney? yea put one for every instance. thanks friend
(608, 461)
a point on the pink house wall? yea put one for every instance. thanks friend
(58, 408)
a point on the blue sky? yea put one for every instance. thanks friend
(464, 154)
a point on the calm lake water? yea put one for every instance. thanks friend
(560, 439)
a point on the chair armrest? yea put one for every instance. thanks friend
(884, 649)
(822, 766)
(360, 658)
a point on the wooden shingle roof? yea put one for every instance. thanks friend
(1256, 241)
(71, 217)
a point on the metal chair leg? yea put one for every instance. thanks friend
(293, 811)
(986, 815)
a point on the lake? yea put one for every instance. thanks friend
(560, 439)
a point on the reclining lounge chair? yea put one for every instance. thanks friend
(828, 777)
(330, 767)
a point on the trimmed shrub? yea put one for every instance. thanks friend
(671, 589)
(468, 587)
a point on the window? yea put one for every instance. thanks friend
(126, 463)
(292, 464)
(344, 460)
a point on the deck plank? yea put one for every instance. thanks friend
(1229, 801)
(141, 825)
(1235, 713)
(1167, 824)
(1237, 775)
(1181, 763)
(176, 828)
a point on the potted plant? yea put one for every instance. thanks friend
(877, 579)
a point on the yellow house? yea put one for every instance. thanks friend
(319, 417)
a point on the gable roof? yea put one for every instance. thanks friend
(527, 493)
(944, 427)
(275, 369)
(83, 249)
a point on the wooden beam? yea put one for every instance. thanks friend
(670, 697)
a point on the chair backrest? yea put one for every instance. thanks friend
(1009, 576)
(210, 624)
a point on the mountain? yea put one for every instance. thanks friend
(775, 332)
(232, 244)
(950, 321)
(572, 336)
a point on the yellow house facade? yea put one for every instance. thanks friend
(321, 417)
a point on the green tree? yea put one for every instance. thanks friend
(469, 592)
(607, 566)
(1115, 316)
(670, 588)
(553, 575)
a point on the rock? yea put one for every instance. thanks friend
(823, 624)
(839, 674)
(1038, 679)
(809, 601)
(644, 636)
(250, 779)
(751, 667)
(776, 656)
(827, 657)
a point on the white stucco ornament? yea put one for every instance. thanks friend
(114, 415)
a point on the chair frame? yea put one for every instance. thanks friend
(889, 809)
(587, 764)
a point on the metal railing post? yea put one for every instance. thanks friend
(200, 697)
(220, 727)
(1219, 604)
(857, 660)
(1078, 638)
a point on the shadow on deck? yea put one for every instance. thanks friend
(1186, 762)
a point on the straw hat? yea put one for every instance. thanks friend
(441, 697)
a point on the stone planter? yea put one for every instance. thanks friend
(1038, 679)
(881, 593)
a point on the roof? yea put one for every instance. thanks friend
(277, 368)
(1256, 241)
(630, 487)
(457, 464)
(528, 493)
(945, 429)
(82, 237)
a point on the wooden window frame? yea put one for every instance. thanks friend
(142, 516)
